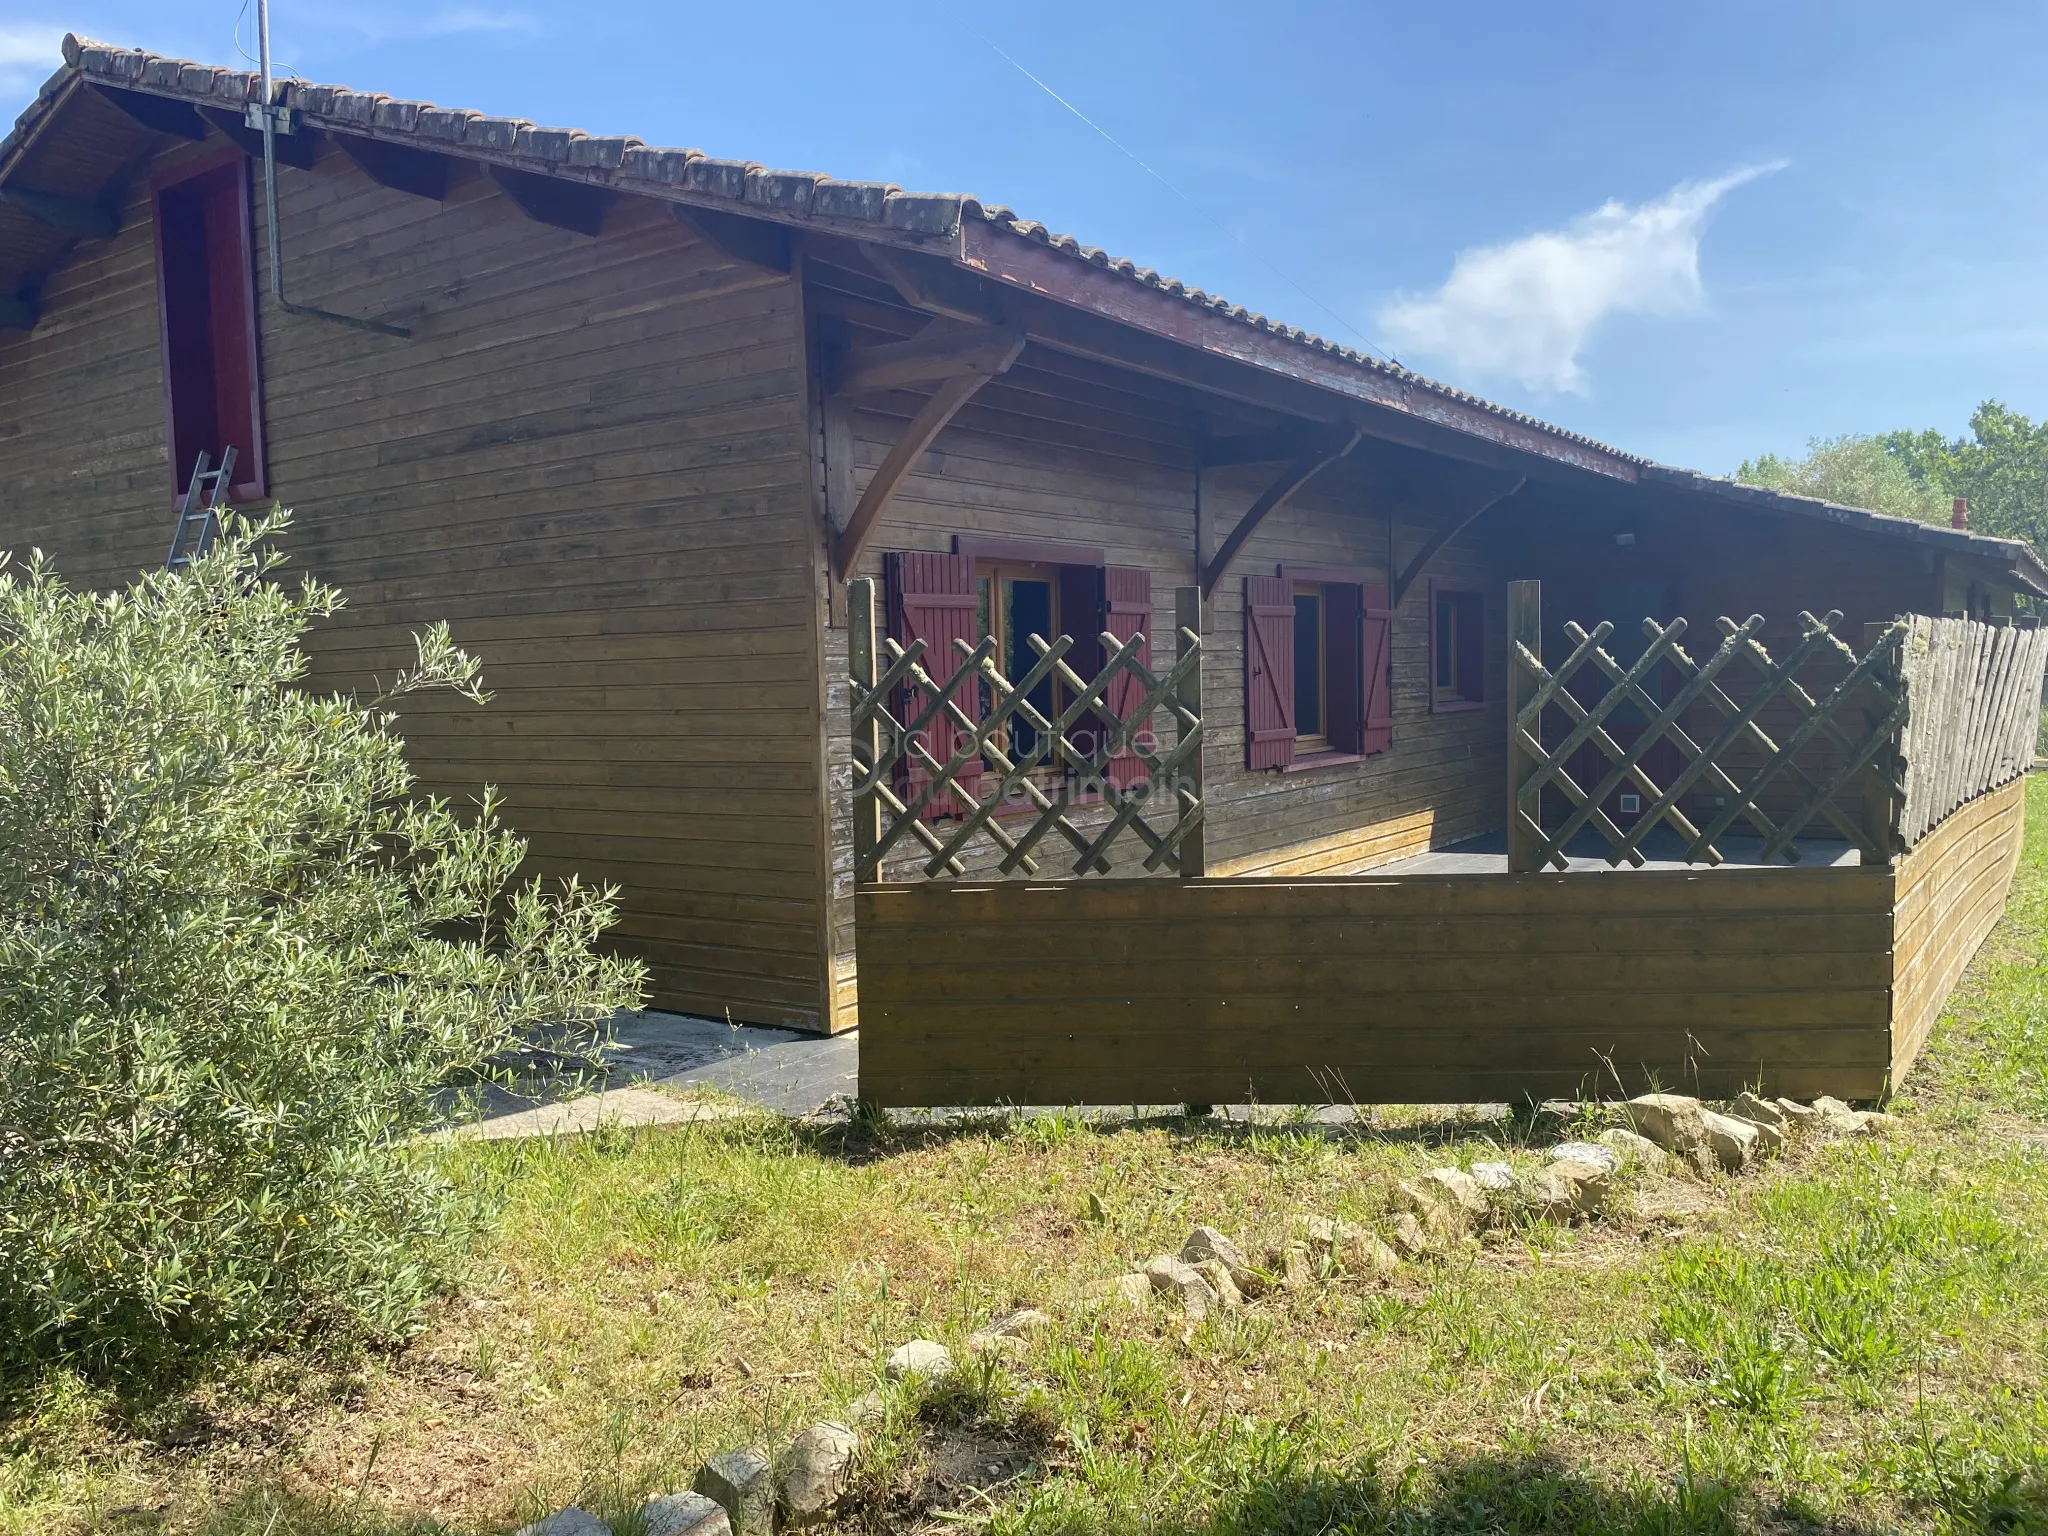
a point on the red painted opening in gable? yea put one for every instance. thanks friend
(206, 304)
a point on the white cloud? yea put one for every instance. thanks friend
(29, 55)
(1523, 309)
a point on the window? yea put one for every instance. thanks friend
(206, 304)
(1013, 602)
(1317, 688)
(1457, 649)
(1311, 669)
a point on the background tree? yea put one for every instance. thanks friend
(1851, 472)
(241, 967)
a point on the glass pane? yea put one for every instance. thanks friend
(1446, 641)
(1027, 611)
(1308, 665)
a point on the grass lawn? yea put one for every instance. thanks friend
(1855, 1339)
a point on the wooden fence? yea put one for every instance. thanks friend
(1662, 739)
(925, 729)
(1976, 711)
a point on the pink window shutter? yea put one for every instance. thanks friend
(931, 598)
(1127, 611)
(1268, 672)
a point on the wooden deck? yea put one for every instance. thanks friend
(1453, 987)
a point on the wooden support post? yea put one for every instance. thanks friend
(867, 736)
(1187, 617)
(1880, 807)
(1525, 627)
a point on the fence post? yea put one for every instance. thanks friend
(1187, 619)
(867, 735)
(1880, 807)
(1525, 627)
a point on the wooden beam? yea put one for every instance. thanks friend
(910, 447)
(569, 205)
(932, 285)
(926, 359)
(74, 214)
(297, 149)
(19, 312)
(1443, 536)
(158, 113)
(418, 171)
(1290, 480)
(750, 242)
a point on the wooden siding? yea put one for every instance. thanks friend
(1063, 450)
(589, 459)
(1951, 890)
(1447, 988)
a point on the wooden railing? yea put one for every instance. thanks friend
(1976, 711)
(1739, 741)
(906, 702)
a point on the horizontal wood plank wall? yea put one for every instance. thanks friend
(83, 473)
(1952, 888)
(589, 459)
(1420, 989)
(1442, 780)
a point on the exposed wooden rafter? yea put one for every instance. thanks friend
(298, 149)
(418, 171)
(1291, 479)
(937, 288)
(569, 205)
(1443, 536)
(926, 425)
(19, 312)
(75, 215)
(926, 359)
(751, 242)
(157, 112)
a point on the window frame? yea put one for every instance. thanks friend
(231, 164)
(1314, 743)
(1362, 582)
(1456, 701)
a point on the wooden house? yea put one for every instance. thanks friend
(629, 417)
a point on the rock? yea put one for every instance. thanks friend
(1001, 1345)
(684, 1514)
(1005, 1336)
(1460, 1189)
(1132, 1290)
(1734, 1141)
(1636, 1151)
(815, 1470)
(920, 1357)
(1877, 1124)
(1674, 1121)
(1770, 1139)
(1798, 1116)
(1217, 1273)
(868, 1410)
(1600, 1156)
(1493, 1177)
(1756, 1111)
(568, 1522)
(1169, 1274)
(1587, 1184)
(1206, 1243)
(1442, 1206)
(743, 1484)
(1405, 1235)
(1292, 1266)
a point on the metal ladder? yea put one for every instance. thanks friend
(198, 522)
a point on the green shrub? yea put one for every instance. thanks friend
(241, 966)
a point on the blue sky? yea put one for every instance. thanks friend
(1698, 232)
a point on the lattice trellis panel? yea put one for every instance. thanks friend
(1000, 737)
(1841, 744)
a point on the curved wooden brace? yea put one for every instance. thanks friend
(1443, 536)
(1291, 479)
(910, 447)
